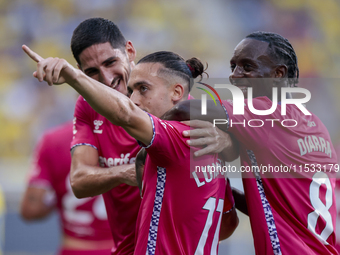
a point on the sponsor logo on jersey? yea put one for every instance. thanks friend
(97, 124)
(311, 124)
(124, 159)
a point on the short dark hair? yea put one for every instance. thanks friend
(94, 31)
(186, 69)
(281, 50)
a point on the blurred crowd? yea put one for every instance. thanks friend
(205, 29)
(208, 30)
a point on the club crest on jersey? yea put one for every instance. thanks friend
(97, 124)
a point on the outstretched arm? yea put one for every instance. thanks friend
(108, 102)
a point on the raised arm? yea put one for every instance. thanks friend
(114, 106)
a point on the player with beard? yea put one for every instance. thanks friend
(290, 212)
(103, 154)
(103, 54)
(165, 222)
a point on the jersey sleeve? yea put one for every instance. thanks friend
(82, 125)
(39, 173)
(167, 144)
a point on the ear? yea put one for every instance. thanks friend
(130, 51)
(281, 71)
(177, 92)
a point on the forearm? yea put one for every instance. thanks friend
(89, 181)
(36, 203)
(111, 104)
(34, 213)
(228, 224)
(115, 106)
(240, 200)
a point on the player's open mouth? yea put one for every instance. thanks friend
(115, 83)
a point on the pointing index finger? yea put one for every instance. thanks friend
(31, 54)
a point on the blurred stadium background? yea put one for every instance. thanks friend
(206, 29)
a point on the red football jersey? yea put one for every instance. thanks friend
(181, 210)
(293, 211)
(115, 147)
(81, 218)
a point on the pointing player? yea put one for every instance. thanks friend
(103, 54)
(85, 229)
(293, 213)
(157, 83)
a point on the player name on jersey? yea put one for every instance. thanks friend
(205, 174)
(313, 143)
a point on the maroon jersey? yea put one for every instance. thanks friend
(81, 218)
(115, 147)
(180, 211)
(293, 211)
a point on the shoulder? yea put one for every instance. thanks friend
(82, 105)
(84, 113)
(60, 129)
(54, 139)
(167, 132)
(168, 124)
(167, 144)
(81, 101)
(55, 134)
